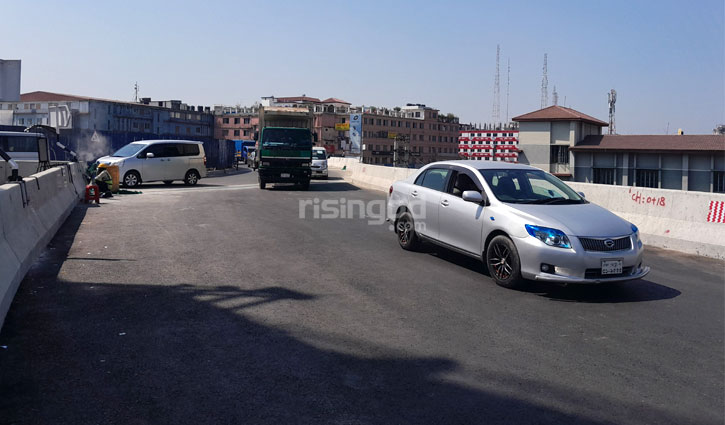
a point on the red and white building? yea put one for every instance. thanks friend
(489, 145)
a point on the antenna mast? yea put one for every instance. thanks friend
(555, 96)
(544, 87)
(612, 99)
(508, 83)
(496, 115)
(135, 92)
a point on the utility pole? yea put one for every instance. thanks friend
(135, 92)
(544, 86)
(496, 115)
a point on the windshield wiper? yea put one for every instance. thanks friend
(552, 201)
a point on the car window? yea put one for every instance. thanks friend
(462, 182)
(436, 179)
(169, 150)
(154, 149)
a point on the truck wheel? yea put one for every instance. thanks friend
(305, 184)
(262, 183)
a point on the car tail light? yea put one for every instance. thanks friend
(204, 159)
(390, 191)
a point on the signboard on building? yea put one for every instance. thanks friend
(342, 126)
(392, 135)
(355, 127)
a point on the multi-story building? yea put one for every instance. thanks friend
(428, 135)
(571, 145)
(494, 143)
(235, 123)
(94, 127)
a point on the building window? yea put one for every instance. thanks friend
(225, 132)
(246, 132)
(603, 176)
(718, 181)
(236, 132)
(559, 154)
(236, 120)
(225, 120)
(246, 120)
(647, 178)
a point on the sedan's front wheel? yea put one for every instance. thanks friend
(502, 260)
(405, 229)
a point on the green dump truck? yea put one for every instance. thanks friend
(284, 146)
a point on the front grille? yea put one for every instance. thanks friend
(620, 244)
(597, 273)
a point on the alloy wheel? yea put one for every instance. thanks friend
(500, 261)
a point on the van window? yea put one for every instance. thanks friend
(189, 149)
(19, 143)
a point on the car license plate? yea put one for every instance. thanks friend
(284, 175)
(611, 267)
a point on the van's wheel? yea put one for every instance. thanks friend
(262, 183)
(405, 229)
(168, 182)
(131, 179)
(502, 261)
(192, 178)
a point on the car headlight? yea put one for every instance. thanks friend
(635, 231)
(551, 237)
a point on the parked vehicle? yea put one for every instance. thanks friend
(522, 222)
(159, 160)
(21, 145)
(319, 163)
(246, 151)
(284, 152)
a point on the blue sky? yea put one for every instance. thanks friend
(664, 58)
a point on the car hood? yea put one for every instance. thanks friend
(109, 159)
(575, 219)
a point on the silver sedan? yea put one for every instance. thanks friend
(522, 222)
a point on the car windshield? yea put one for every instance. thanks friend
(317, 154)
(129, 150)
(286, 137)
(529, 187)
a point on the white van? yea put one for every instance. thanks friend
(159, 160)
(319, 162)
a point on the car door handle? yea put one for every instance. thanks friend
(444, 202)
(414, 193)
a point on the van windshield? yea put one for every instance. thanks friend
(318, 154)
(129, 150)
(286, 137)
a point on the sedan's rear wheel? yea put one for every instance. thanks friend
(405, 229)
(502, 260)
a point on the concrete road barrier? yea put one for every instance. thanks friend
(30, 215)
(691, 222)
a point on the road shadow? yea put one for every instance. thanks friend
(80, 352)
(617, 292)
(315, 186)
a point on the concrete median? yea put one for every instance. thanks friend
(691, 222)
(31, 213)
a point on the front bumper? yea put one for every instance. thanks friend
(274, 175)
(318, 172)
(576, 265)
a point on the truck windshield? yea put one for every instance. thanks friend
(130, 149)
(286, 137)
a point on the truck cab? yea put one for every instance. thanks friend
(284, 146)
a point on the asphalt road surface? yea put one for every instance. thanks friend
(219, 304)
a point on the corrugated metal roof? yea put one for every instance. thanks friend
(652, 142)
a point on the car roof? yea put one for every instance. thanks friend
(481, 165)
(152, 142)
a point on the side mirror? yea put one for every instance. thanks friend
(149, 155)
(581, 194)
(472, 196)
